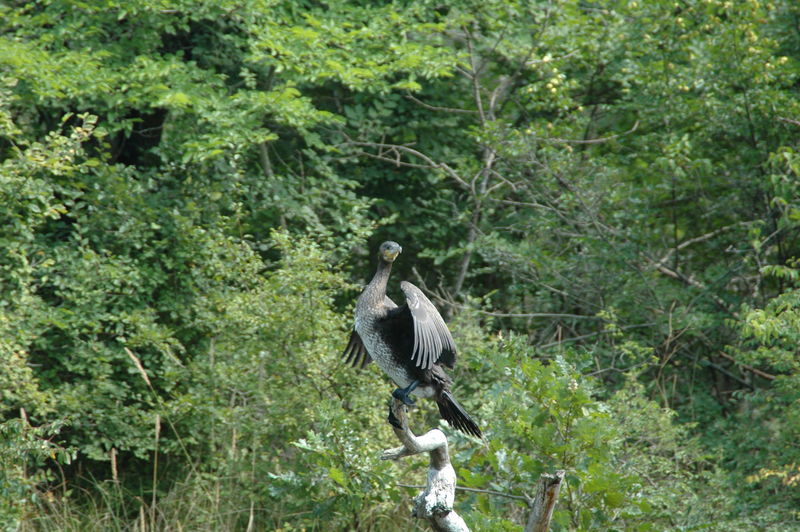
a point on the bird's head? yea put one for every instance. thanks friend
(389, 251)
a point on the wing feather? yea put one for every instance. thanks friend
(355, 354)
(419, 342)
(432, 339)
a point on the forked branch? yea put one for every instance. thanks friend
(435, 503)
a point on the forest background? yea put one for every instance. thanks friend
(602, 197)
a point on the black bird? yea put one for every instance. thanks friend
(410, 343)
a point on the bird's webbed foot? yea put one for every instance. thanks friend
(403, 393)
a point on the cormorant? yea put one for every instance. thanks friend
(409, 342)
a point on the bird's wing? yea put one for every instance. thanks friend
(432, 340)
(355, 353)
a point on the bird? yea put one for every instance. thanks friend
(409, 342)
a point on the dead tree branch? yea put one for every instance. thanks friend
(393, 152)
(789, 120)
(429, 107)
(590, 141)
(435, 503)
(702, 238)
(691, 281)
(751, 369)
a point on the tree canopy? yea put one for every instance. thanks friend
(601, 197)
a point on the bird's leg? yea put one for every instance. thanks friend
(402, 393)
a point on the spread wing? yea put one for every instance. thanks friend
(432, 340)
(355, 353)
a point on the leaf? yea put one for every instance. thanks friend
(337, 476)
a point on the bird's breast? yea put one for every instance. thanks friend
(385, 356)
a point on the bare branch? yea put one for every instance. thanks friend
(706, 362)
(789, 121)
(435, 503)
(751, 369)
(695, 240)
(496, 493)
(591, 335)
(691, 281)
(397, 149)
(534, 204)
(474, 78)
(502, 181)
(538, 315)
(438, 108)
(590, 141)
(466, 73)
(395, 161)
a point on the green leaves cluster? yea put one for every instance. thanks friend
(189, 193)
(24, 451)
(545, 417)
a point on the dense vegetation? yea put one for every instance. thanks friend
(603, 198)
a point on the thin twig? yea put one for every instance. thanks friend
(396, 148)
(751, 369)
(590, 335)
(691, 281)
(590, 141)
(695, 240)
(473, 77)
(538, 315)
(438, 108)
(789, 120)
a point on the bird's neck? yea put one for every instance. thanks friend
(375, 292)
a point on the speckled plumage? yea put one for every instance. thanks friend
(410, 342)
(383, 355)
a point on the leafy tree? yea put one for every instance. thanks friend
(609, 187)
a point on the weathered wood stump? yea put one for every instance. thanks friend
(544, 502)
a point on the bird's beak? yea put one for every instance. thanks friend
(390, 254)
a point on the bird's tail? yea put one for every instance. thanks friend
(455, 415)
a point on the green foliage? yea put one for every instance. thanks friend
(667, 462)
(768, 458)
(277, 361)
(545, 417)
(190, 193)
(24, 450)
